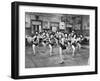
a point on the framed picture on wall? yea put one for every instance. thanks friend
(51, 53)
(46, 25)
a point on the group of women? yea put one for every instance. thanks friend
(64, 41)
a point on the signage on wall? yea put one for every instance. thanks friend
(46, 25)
(36, 22)
(54, 24)
(62, 25)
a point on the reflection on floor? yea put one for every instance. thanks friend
(43, 59)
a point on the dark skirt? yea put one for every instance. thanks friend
(40, 40)
(74, 44)
(62, 46)
(57, 38)
(35, 43)
(52, 44)
(44, 41)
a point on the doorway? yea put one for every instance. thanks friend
(36, 26)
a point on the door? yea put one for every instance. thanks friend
(36, 26)
(70, 30)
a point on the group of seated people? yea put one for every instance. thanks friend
(64, 41)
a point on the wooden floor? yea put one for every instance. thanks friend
(43, 59)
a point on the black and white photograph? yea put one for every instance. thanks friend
(53, 40)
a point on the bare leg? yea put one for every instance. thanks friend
(67, 49)
(33, 47)
(51, 49)
(73, 50)
(57, 42)
(78, 47)
(43, 44)
(60, 54)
